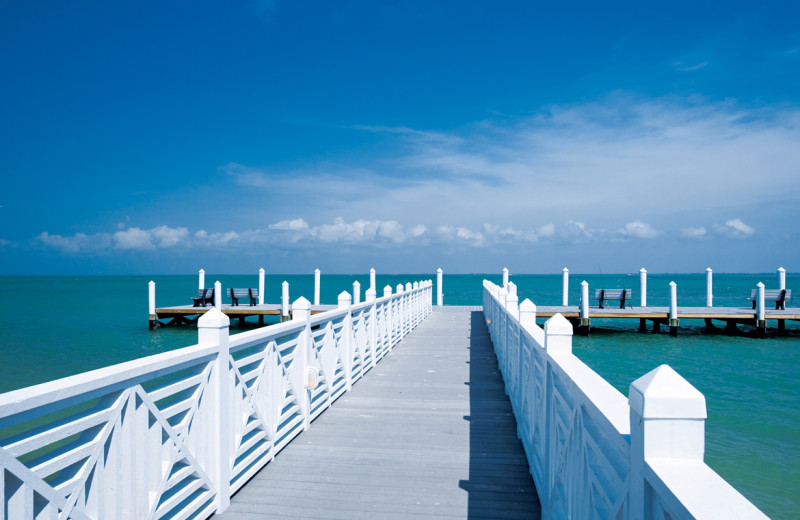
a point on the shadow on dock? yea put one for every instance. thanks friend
(500, 484)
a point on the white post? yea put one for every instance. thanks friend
(527, 313)
(316, 286)
(408, 286)
(372, 280)
(285, 299)
(709, 285)
(151, 307)
(218, 295)
(400, 288)
(201, 279)
(584, 324)
(760, 304)
(643, 287)
(369, 296)
(673, 308)
(301, 310)
(213, 329)
(667, 418)
(439, 293)
(261, 286)
(564, 287)
(512, 305)
(557, 335)
(347, 344)
(512, 288)
(387, 291)
(781, 278)
(356, 293)
(505, 276)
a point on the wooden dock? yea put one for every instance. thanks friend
(429, 434)
(186, 314)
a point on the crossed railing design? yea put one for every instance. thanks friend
(592, 452)
(175, 434)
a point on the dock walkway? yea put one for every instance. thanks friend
(429, 434)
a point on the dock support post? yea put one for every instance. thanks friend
(439, 292)
(261, 290)
(564, 287)
(583, 328)
(505, 276)
(344, 302)
(643, 287)
(709, 290)
(761, 322)
(673, 309)
(218, 295)
(372, 280)
(213, 328)
(301, 311)
(667, 418)
(642, 324)
(316, 286)
(151, 307)
(782, 278)
(201, 279)
(285, 301)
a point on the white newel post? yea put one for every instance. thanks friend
(512, 305)
(505, 276)
(218, 295)
(781, 278)
(201, 279)
(387, 291)
(344, 302)
(372, 324)
(709, 288)
(356, 293)
(527, 314)
(439, 293)
(408, 286)
(584, 324)
(372, 280)
(557, 343)
(667, 417)
(643, 287)
(213, 329)
(285, 299)
(673, 308)
(316, 286)
(261, 286)
(151, 304)
(564, 287)
(512, 288)
(301, 311)
(401, 311)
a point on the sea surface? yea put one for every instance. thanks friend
(53, 327)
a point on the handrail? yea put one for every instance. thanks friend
(176, 434)
(592, 452)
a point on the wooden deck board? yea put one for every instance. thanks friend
(716, 313)
(428, 433)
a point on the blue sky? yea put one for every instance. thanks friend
(156, 138)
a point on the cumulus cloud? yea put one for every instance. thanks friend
(694, 232)
(134, 238)
(639, 229)
(735, 228)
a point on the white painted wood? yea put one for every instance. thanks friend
(439, 292)
(285, 298)
(781, 278)
(356, 293)
(584, 300)
(527, 313)
(505, 276)
(643, 287)
(387, 291)
(709, 288)
(151, 299)
(372, 280)
(565, 287)
(316, 286)
(760, 304)
(261, 274)
(201, 279)
(673, 302)
(512, 305)
(218, 295)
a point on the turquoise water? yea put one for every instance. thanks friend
(59, 326)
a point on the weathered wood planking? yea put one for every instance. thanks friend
(430, 434)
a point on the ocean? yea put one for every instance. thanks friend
(54, 327)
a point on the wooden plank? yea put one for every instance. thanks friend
(429, 433)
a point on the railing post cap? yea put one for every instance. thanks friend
(408, 286)
(662, 393)
(261, 270)
(642, 270)
(527, 305)
(584, 283)
(356, 283)
(301, 304)
(759, 284)
(344, 295)
(558, 325)
(416, 285)
(285, 283)
(202, 271)
(372, 270)
(565, 270)
(439, 270)
(387, 288)
(673, 284)
(370, 292)
(708, 269)
(316, 270)
(213, 319)
(151, 282)
(782, 269)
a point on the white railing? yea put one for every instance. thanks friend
(175, 434)
(592, 452)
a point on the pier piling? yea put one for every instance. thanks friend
(673, 309)
(439, 293)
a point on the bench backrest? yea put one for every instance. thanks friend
(772, 295)
(238, 293)
(205, 293)
(613, 294)
(254, 293)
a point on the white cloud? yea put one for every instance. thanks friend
(639, 229)
(735, 228)
(694, 232)
(546, 230)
